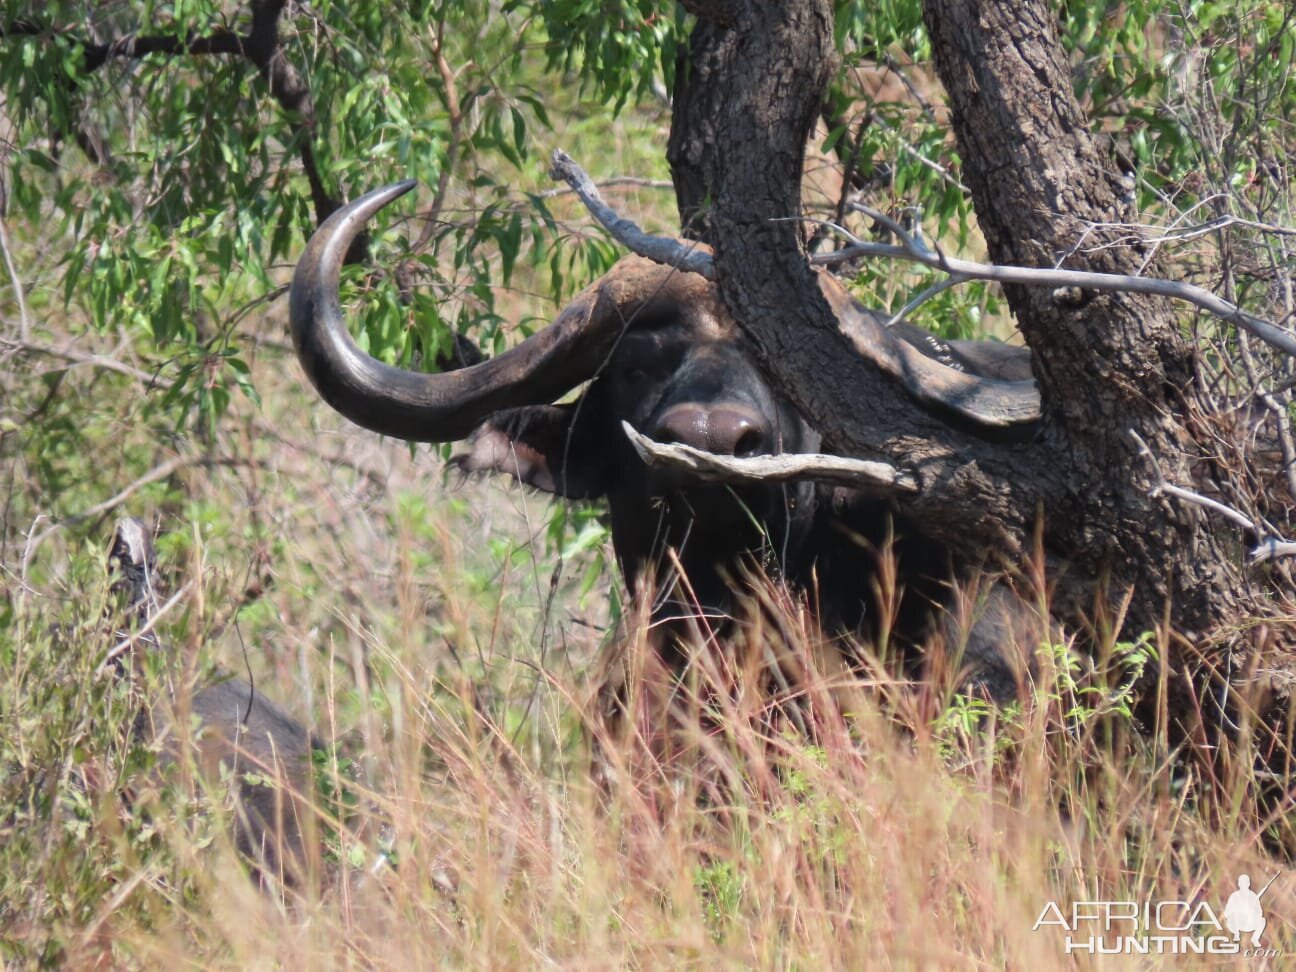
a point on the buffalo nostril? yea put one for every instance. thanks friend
(737, 432)
(686, 425)
(750, 443)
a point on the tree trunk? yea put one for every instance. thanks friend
(1107, 364)
(747, 101)
(749, 87)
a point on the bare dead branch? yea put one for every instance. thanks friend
(615, 182)
(709, 467)
(1268, 548)
(1286, 443)
(1172, 234)
(671, 252)
(1272, 549)
(909, 249)
(667, 251)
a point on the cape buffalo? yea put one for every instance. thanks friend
(237, 733)
(661, 353)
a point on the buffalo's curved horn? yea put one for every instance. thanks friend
(449, 406)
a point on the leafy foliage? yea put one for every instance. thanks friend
(622, 50)
(194, 190)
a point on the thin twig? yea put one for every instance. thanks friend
(134, 637)
(159, 472)
(932, 164)
(24, 323)
(1188, 496)
(29, 549)
(454, 117)
(1194, 230)
(90, 360)
(1269, 547)
(1170, 489)
(613, 182)
(1266, 331)
(377, 477)
(922, 298)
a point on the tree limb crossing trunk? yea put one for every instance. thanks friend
(749, 86)
(1109, 363)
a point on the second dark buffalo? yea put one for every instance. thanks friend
(227, 728)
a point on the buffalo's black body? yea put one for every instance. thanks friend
(694, 544)
(665, 356)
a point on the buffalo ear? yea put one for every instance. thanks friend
(545, 446)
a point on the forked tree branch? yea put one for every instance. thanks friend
(673, 252)
(261, 46)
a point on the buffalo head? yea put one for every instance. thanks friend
(660, 352)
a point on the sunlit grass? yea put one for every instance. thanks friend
(739, 820)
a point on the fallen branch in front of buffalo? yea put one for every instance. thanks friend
(672, 252)
(709, 467)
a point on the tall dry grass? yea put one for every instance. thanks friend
(775, 809)
(473, 809)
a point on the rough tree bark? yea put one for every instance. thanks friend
(748, 93)
(749, 86)
(1107, 363)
